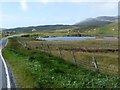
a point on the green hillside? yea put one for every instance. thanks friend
(70, 30)
(107, 30)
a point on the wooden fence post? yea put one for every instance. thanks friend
(49, 49)
(26, 44)
(74, 58)
(30, 47)
(59, 51)
(95, 64)
(42, 48)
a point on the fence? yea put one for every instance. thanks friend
(83, 59)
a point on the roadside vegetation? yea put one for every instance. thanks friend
(104, 50)
(36, 69)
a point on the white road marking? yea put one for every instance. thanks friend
(6, 69)
(4, 63)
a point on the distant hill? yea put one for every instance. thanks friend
(1, 29)
(106, 30)
(98, 21)
(82, 26)
(37, 28)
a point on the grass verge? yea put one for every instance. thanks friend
(34, 69)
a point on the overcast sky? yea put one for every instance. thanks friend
(44, 12)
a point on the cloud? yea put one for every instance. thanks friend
(47, 1)
(11, 21)
(102, 8)
(24, 6)
(76, 1)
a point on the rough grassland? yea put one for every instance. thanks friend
(107, 60)
(37, 69)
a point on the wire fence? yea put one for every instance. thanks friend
(84, 59)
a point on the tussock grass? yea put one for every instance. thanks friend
(108, 62)
(41, 70)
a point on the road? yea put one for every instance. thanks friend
(7, 79)
(3, 74)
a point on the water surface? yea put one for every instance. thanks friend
(66, 38)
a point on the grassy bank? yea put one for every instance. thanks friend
(37, 69)
(84, 50)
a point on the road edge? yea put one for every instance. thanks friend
(6, 69)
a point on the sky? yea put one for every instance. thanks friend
(25, 13)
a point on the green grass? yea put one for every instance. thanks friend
(99, 43)
(107, 30)
(42, 70)
(108, 61)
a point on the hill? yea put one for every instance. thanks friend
(1, 29)
(36, 28)
(98, 21)
(99, 26)
(106, 30)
